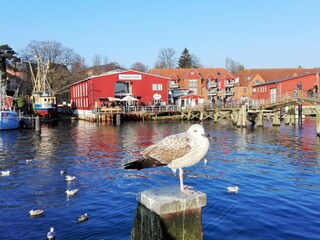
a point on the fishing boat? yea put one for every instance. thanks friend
(43, 99)
(9, 120)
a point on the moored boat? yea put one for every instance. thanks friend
(9, 120)
(44, 105)
(43, 99)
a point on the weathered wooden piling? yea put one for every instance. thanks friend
(242, 117)
(118, 119)
(289, 118)
(318, 120)
(276, 119)
(300, 114)
(37, 124)
(260, 119)
(167, 213)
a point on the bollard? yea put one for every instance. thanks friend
(37, 126)
(167, 213)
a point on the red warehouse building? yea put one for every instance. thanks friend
(147, 88)
(284, 89)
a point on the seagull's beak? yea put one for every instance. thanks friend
(206, 135)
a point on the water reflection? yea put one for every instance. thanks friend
(276, 168)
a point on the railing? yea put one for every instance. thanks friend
(156, 109)
(282, 98)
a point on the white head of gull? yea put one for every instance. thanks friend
(37, 212)
(175, 151)
(51, 235)
(82, 218)
(70, 178)
(234, 189)
(71, 192)
(5, 173)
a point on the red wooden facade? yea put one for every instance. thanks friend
(147, 88)
(275, 91)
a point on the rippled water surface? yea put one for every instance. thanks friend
(276, 168)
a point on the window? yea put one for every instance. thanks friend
(156, 86)
(192, 83)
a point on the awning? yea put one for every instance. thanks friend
(109, 99)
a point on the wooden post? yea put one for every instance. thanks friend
(167, 213)
(260, 119)
(276, 119)
(318, 120)
(300, 114)
(242, 117)
(37, 124)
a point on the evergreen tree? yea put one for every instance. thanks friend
(6, 54)
(185, 60)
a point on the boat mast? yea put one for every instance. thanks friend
(40, 82)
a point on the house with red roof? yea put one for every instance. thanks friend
(208, 83)
(92, 92)
(285, 89)
(249, 78)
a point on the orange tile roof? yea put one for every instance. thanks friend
(182, 72)
(271, 74)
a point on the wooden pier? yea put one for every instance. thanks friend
(241, 116)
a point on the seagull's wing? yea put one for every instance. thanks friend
(169, 148)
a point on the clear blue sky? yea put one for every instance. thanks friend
(256, 33)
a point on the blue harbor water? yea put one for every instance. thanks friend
(276, 169)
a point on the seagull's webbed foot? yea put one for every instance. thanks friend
(187, 189)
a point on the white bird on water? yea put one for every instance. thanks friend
(63, 171)
(5, 173)
(51, 235)
(175, 151)
(28, 160)
(70, 178)
(36, 213)
(71, 192)
(82, 218)
(234, 189)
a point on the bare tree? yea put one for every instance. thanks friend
(105, 60)
(195, 62)
(166, 58)
(60, 60)
(138, 66)
(233, 66)
(78, 69)
(96, 63)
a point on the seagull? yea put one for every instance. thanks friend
(28, 160)
(51, 235)
(71, 192)
(82, 218)
(63, 171)
(36, 213)
(70, 178)
(233, 189)
(175, 151)
(5, 173)
(205, 161)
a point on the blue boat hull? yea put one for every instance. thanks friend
(9, 120)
